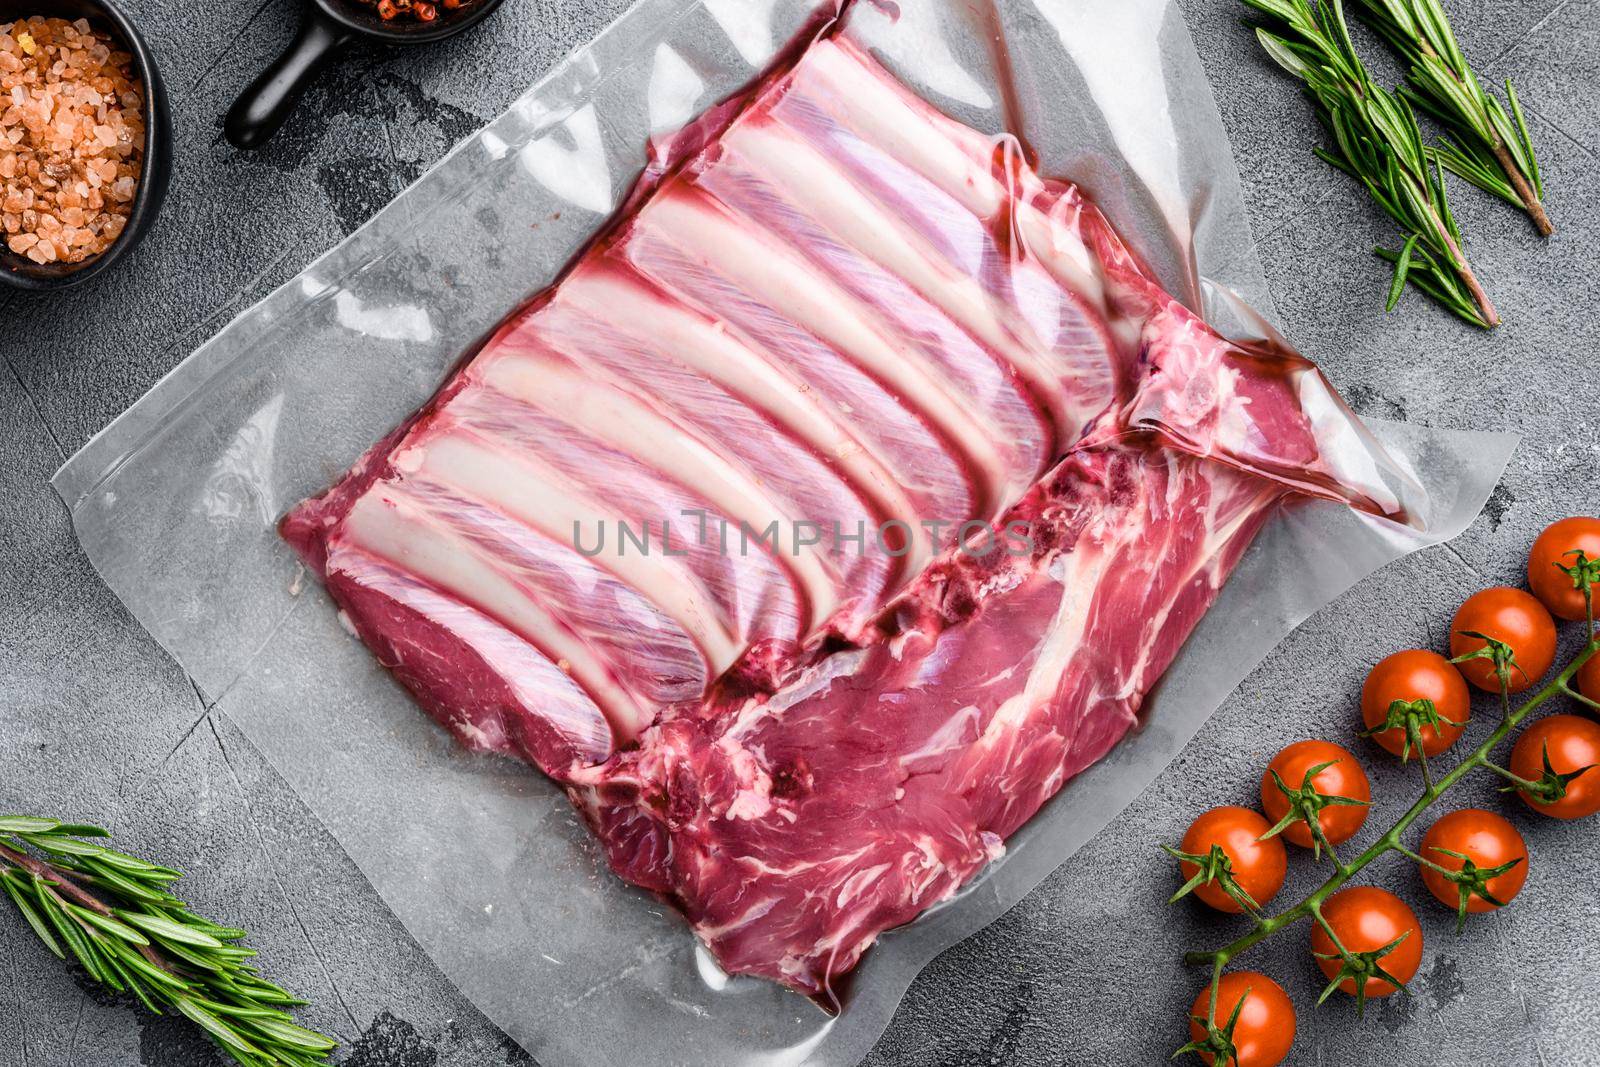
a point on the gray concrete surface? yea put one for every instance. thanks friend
(97, 724)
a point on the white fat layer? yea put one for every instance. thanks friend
(803, 295)
(519, 485)
(954, 158)
(629, 425)
(536, 681)
(819, 188)
(385, 524)
(886, 119)
(714, 352)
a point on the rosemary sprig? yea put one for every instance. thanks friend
(1491, 148)
(115, 915)
(1377, 142)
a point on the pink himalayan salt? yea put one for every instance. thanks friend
(71, 139)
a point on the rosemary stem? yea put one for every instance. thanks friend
(61, 885)
(1463, 269)
(1390, 841)
(61, 882)
(1530, 199)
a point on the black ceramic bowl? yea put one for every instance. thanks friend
(103, 15)
(325, 29)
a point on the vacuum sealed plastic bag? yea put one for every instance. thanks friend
(875, 130)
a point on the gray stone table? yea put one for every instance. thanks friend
(96, 723)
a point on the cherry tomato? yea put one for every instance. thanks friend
(1511, 616)
(1410, 676)
(1551, 552)
(1572, 743)
(1589, 678)
(1487, 839)
(1265, 1031)
(1366, 919)
(1258, 866)
(1344, 778)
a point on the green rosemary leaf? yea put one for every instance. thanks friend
(1433, 22)
(56, 845)
(224, 1034)
(1437, 282)
(135, 867)
(1469, 163)
(31, 914)
(143, 968)
(1282, 53)
(74, 936)
(1523, 136)
(200, 960)
(290, 1034)
(168, 930)
(109, 925)
(263, 992)
(199, 922)
(237, 1011)
(20, 824)
(1459, 102)
(1277, 8)
(125, 981)
(1401, 267)
(1444, 203)
(109, 878)
(1334, 161)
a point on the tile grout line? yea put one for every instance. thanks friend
(34, 404)
(222, 54)
(272, 870)
(1529, 32)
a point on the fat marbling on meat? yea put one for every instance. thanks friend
(836, 306)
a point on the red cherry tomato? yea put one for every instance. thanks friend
(1485, 838)
(1258, 866)
(1553, 550)
(1589, 678)
(1265, 1031)
(1411, 676)
(1366, 919)
(1572, 743)
(1511, 616)
(1344, 778)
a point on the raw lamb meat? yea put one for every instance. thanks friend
(828, 310)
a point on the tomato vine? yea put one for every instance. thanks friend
(1355, 969)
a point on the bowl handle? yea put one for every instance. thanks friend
(267, 101)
